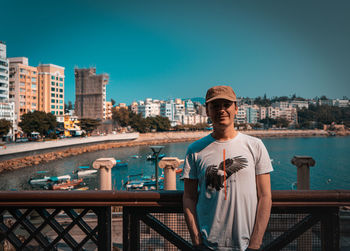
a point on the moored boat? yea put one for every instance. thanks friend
(46, 179)
(67, 185)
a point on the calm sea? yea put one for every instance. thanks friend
(332, 169)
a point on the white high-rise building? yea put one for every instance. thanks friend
(6, 107)
(4, 74)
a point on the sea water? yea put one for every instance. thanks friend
(331, 171)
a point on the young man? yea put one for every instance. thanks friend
(231, 208)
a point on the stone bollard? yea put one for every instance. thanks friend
(169, 164)
(303, 164)
(105, 166)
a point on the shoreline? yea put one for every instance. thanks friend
(143, 139)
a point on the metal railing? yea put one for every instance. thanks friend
(81, 220)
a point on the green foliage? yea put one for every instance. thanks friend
(88, 125)
(5, 127)
(113, 102)
(282, 123)
(125, 118)
(318, 115)
(262, 101)
(158, 123)
(38, 121)
(121, 116)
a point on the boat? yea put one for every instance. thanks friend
(178, 170)
(46, 179)
(152, 157)
(136, 156)
(67, 185)
(83, 173)
(143, 183)
(121, 163)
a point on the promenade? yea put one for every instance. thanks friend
(16, 148)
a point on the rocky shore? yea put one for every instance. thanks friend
(143, 139)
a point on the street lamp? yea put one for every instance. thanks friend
(156, 150)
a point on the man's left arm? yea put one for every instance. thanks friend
(263, 185)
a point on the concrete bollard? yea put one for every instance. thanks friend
(169, 164)
(105, 165)
(303, 164)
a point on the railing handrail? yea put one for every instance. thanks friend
(290, 198)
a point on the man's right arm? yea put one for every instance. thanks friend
(190, 198)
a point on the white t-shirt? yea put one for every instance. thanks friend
(227, 224)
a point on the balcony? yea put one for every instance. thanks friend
(76, 220)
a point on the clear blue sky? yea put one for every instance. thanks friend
(167, 49)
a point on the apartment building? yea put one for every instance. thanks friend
(51, 90)
(90, 94)
(149, 108)
(134, 107)
(109, 107)
(23, 87)
(6, 107)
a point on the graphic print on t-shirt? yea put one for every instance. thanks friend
(214, 176)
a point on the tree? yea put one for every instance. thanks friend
(88, 125)
(121, 116)
(70, 105)
(5, 126)
(159, 123)
(113, 102)
(38, 121)
(282, 122)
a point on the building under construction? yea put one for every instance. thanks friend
(90, 94)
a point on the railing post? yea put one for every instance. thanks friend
(131, 230)
(330, 230)
(105, 165)
(104, 228)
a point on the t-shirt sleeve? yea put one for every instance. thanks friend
(263, 161)
(189, 170)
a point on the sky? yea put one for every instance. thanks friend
(178, 49)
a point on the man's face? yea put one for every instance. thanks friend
(221, 112)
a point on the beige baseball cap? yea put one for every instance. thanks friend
(220, 92)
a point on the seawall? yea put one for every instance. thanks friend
(35, 158)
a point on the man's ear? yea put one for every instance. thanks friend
(206, 109)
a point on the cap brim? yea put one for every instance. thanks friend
(220, 97)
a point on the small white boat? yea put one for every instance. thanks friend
(48, 179)
(83, 173)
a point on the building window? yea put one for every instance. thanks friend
(61, 101)
(52, 95)
(52, 101)
(61, 107)
(53, 77)
(52, 107)
(33, 86)
(52, 89)
(61, 96)
(61, 79)
(33, 79)
(61, 113)
(56, 78)
(22, 84)
(61, 90)
(61, 85)
(52, 83)
(52, 112)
